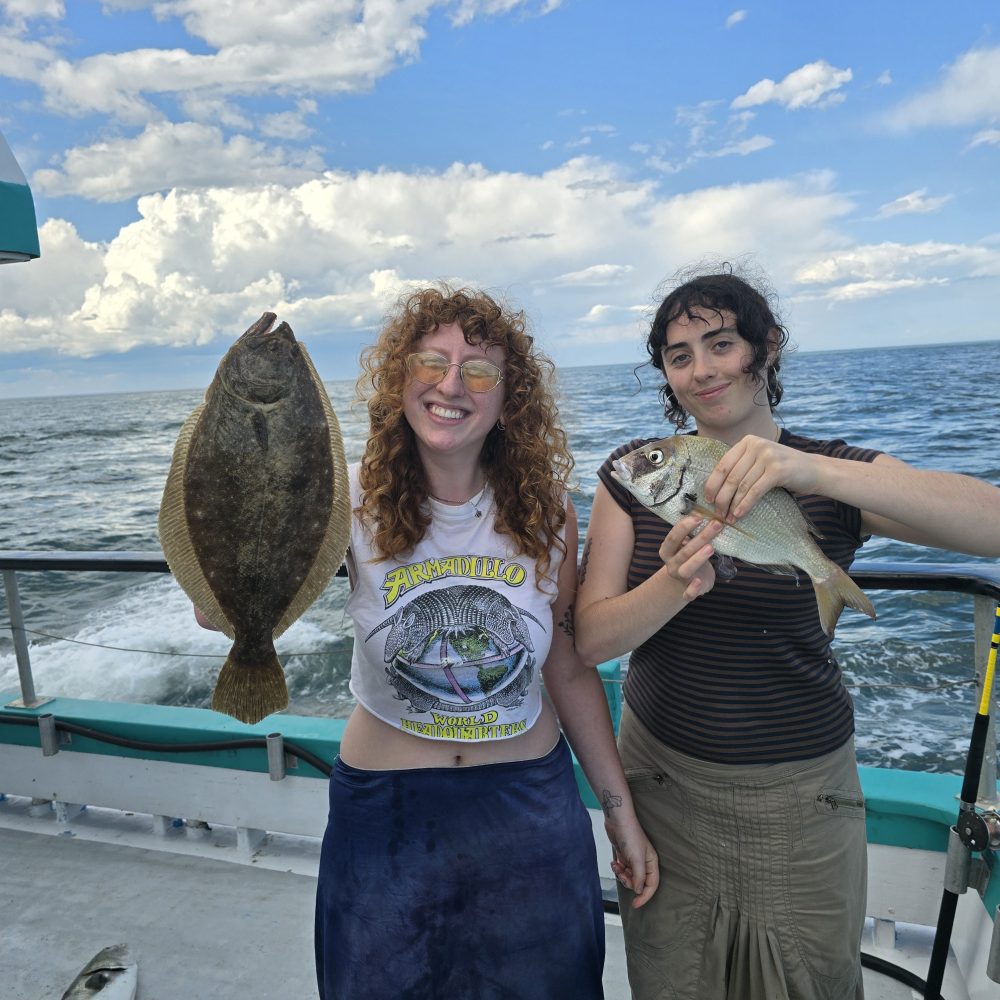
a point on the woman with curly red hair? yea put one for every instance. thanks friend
(459, 860)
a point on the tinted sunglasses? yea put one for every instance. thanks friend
(477, 376)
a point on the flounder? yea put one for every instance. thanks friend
(256, 512)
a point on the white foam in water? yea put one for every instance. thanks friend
(152, 619)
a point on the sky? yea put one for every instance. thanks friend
(195, 163)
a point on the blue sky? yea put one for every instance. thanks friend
(197, 162)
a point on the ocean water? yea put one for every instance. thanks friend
(87, 473)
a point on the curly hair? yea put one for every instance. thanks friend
(526, 461)
(753, 305)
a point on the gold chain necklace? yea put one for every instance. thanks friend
(475, 500)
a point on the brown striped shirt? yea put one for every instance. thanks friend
(744, 674)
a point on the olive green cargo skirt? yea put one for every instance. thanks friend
(763, 875)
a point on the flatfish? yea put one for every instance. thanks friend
(256, 512)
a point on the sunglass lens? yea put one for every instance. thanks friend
(480, 376)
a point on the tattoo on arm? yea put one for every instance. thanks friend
(609, 801)
(567, 624)
(582, 572)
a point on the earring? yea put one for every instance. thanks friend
(501, 426)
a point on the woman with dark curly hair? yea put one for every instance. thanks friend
(737, 734)
(459, 860)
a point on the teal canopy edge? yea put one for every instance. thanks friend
(18, 226)
(908, 809)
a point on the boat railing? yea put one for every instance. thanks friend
(979, 581)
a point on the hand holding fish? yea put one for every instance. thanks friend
(749, 469)
(687, 551)
(669, 477)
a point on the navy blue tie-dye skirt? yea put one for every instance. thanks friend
(465, 883)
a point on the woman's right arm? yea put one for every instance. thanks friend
(610, 619)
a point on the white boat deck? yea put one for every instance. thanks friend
(208, 921)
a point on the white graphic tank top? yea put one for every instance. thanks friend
(450, 641)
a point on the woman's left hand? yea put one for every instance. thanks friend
(634, 862)
(749, 469)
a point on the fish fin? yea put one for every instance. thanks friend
(725, 568)
(250, 691)
(709, 514)
(810, 524)
(333, 548)
(175, 536)
(779, 569)
(835, 593)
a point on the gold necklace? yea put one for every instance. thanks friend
(475, 500)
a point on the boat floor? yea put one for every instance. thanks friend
(203, 928)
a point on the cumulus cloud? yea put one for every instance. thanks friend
(816, 84)
(289, 124)
(270, 46)
(735, 18)
(23, 10)
(968, 93)
(879, 269)
(329, 253)
(913, 203)
(596, 274)
(164, 156)
(856, 291)
(205, 109)
(602, 314)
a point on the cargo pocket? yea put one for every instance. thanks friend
(846, 802)
(826, 888)
(664, 925)
(643, 777)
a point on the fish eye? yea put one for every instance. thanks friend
(655, 456)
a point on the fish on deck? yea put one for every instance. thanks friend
(110, 975)
(668, 476)
(256, 512)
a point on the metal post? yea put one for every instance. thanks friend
(983, 620)
(276, 756)
(993, 959)
(28, 697)
(47, 735)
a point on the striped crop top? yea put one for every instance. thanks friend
(744, 674)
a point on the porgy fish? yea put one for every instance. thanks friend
(109, 975)
(256, 512)
(668, 477)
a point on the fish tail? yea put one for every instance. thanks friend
(835, 593)
(248, 691)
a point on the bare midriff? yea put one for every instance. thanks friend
(373, 745)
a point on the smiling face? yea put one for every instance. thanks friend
(705, 361)
(448, 418)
